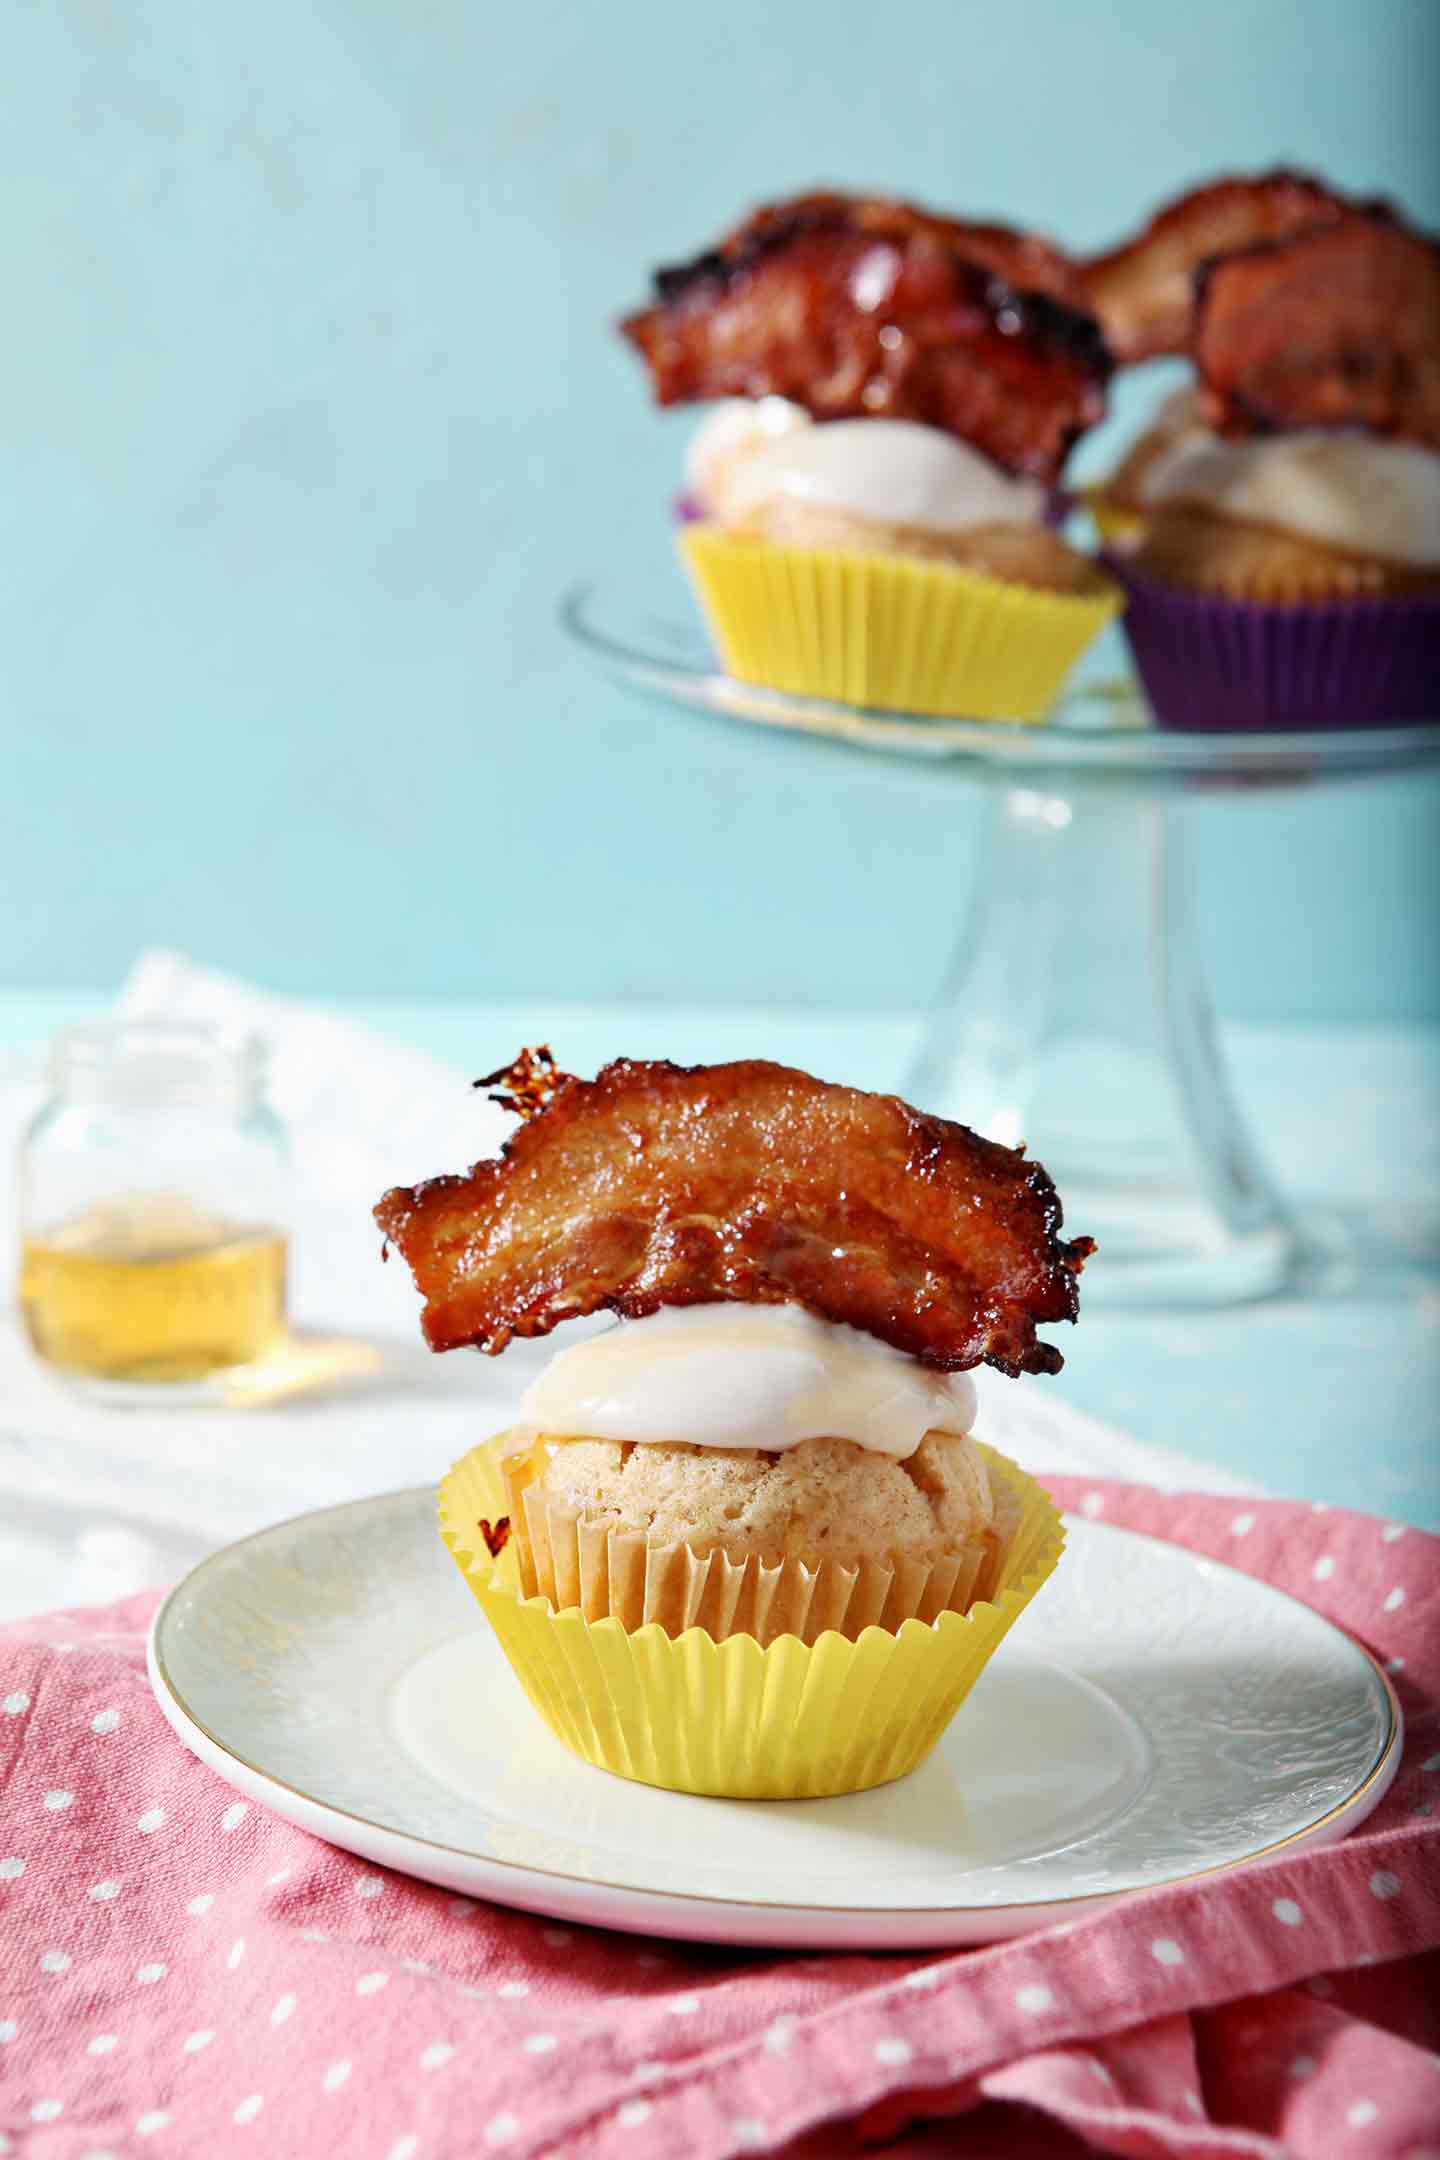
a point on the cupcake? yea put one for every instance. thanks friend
(871, 501)
(744, 1541)
(1278, 532)
(1142, 292)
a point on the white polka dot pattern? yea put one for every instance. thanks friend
(503, 2022)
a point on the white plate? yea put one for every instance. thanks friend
(1152, 1716)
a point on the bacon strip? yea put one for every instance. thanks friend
(1143, 290)
(852, 307)
(1338, 327)
(659, 1184)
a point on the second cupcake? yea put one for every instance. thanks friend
(872, 499)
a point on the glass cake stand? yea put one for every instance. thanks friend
(1075, 1014)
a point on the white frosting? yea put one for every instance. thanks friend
(746, 1376)
(897, 472)
(733, 427)
(1357, 492)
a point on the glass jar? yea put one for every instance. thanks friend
(153, 1216)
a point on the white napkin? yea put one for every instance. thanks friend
(363, 1113)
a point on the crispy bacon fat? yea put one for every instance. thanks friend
(658, 1184)
(852, 306)
(1339, 327)
(1143, 291)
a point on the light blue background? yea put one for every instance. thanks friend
(310, 409)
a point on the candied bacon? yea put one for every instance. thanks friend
(529, 1081)
(1143, 290)
(658, 1184)
(854, 307)
(1338, 327)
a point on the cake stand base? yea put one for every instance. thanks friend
(1075, 1019)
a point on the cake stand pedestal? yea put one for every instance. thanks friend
(1075, 1015)
(1075, 1018)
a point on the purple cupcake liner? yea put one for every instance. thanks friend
(1216, 666)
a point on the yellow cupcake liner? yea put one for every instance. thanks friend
(626, 1576)
(790, 1722)
(891, 632)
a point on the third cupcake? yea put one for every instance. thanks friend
(1280, 541)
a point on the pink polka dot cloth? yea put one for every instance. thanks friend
(182, 1974)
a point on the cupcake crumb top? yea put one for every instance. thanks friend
(822, 1498)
